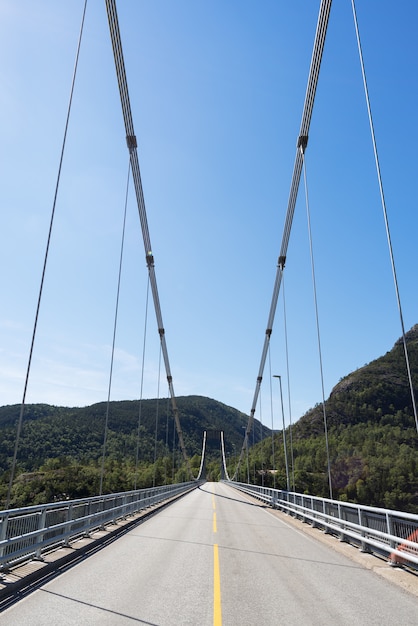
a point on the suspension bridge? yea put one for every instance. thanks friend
(219, 553)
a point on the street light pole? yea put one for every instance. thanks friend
(284, 432)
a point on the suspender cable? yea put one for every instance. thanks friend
(22, 406)
(284, 432)
(261, 437)
(321, 30)
(272, 424)
(317, 324)
(114, 338)
(132, 147)
(174, 452)
(385, 215)
(288, 386)
(167, 450)
(138, 432)
(157, 409)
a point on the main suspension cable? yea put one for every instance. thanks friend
(22, 406)
(385, 215)
(132, 147)
(321, 30)
(202, 458)
(223, 456)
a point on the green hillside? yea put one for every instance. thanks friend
(60, 449)
(373, 440)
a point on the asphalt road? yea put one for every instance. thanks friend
(216, 557)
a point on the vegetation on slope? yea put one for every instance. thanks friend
(373, 440)
(61, 449)
(372, 436)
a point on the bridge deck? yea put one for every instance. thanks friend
(165, 571)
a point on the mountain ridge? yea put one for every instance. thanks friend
(141, 445)
(372, 436)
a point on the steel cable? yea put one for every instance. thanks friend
(22, 406)
(115, 323)
(385, 215)
(223, 456)
(324, 412)
(273, 456)
(136, 175)
(288, 384)
(202, 458)
(320, 35)
(157, 415)
(141, 387)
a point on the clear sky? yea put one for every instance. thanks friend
(217, 91)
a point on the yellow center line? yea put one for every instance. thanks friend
(217, 611)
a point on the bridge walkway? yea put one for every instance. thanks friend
(218, 557)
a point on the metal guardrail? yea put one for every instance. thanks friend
(384, 531)
(27, 532)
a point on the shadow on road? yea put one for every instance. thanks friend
(259, 505)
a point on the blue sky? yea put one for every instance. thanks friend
(217, 92)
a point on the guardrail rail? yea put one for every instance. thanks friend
(26, 533)
(390, 533)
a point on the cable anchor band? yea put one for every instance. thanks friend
(303, 143)
(131, 142)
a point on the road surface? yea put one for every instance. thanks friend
(216, 557)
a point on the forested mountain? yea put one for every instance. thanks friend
(60, 449)
(373, 441)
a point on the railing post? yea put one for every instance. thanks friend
(292, 500)
(324, 509)
(69, 519)
(389, 526)
(314, 513)
(41, 525)
(100, 502)
(342, 536)
(364, 547)
(124, 507)
(304, 519)
(3, 532)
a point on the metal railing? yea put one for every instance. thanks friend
(28, 532)
(386, 532)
